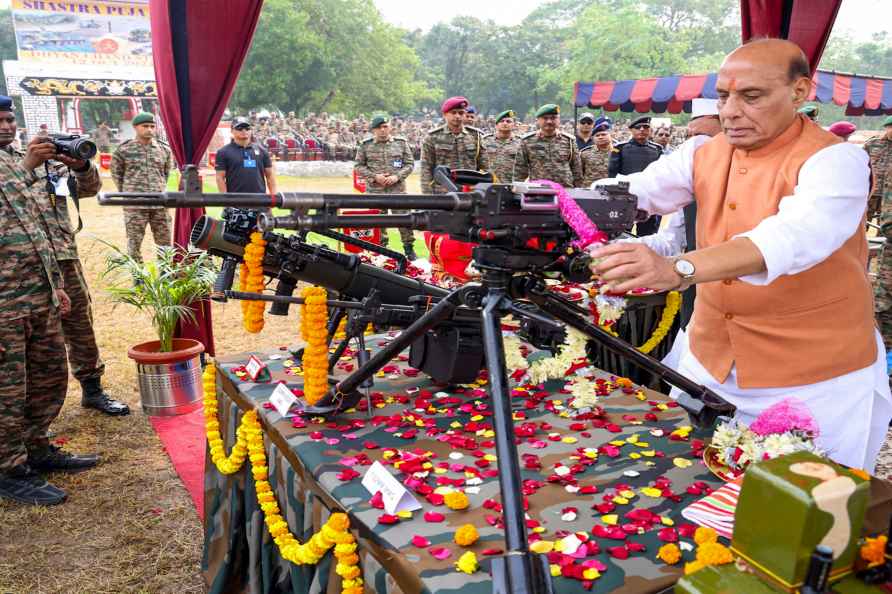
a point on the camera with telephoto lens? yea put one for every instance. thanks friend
(74, 146)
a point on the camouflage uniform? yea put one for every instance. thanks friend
(880, 150)
(501, 154)
(456, 151)
(137, 167)
(33, 371)
(102, 137)
(594, 164)
(883, 285)
(391, 157)
(555, 158)
(80, 339)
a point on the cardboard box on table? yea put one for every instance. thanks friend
(787, 507)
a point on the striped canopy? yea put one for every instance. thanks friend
(862, 95)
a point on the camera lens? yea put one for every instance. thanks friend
(82, 148)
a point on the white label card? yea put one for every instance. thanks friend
(254, 367)
(282, 398)
(396, 497)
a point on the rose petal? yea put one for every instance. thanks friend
(433, 517)
(420, 542)
(440, 553)
(388, 519)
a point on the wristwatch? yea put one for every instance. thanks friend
(686, 270)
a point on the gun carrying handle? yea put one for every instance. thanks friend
(443, 176)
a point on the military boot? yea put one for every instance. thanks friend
(53, 459)
(24, 485)
(93, 396)
(409, 250)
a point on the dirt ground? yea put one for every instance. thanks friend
(129, 525)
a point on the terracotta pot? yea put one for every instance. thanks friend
(169, 383)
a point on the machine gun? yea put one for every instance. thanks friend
(521, 238)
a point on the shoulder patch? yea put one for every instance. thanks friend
(654, 145)
(586, 148)
(614, 149)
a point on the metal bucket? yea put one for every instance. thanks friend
(169, 383)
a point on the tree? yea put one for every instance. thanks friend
(313, 55)
(7, 45)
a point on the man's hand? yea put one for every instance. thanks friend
(64, 302)
(391, 180)
(71, 163)
(380, 179)
(38, 152)
(627, 266)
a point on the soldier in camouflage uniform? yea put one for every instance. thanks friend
(596, 158)
(883, 285)
(502, 147)
(549, 153)
(142, 165)
(102, 136)
(384, 162)
(880, 150)
(80, 339)
(454, 145)
(33, 371)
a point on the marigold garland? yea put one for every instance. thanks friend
(466, 535)
(456, 500)
(669, 553)
(253, 273)
(313, 322)
(235, 460)
(673, 304)
(335, 533)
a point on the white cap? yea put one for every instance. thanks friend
(704, 107)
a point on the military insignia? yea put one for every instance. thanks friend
(397, 163)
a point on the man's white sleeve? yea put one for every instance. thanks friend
(667, 184)
(669, 241)
(825, 210)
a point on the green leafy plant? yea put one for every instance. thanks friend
(163, 288)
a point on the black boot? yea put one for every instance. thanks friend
(53, 459)
(24, 485)
(95, 397)
(409, 250)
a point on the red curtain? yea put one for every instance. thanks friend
(805, 22)
(198, 48)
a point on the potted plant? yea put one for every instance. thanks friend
(168, 369)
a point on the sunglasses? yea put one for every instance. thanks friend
(641, 127)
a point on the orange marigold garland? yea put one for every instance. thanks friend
(313, 322)
(253, 266)
(334, 533)
(235, 460)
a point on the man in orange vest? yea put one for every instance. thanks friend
(784, 306)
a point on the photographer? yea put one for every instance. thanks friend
(54, 184)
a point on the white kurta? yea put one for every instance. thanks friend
(853, 410)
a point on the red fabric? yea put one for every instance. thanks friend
(601, 93)
(643, 90)
(183, 438)
(809, 26)
(842, 89)
(689, 87)
(873, 93)
(216, 44)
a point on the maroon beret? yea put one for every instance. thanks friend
(453, 103)
(842, 128)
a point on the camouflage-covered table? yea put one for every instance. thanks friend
(583, 474)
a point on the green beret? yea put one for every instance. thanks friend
(377, 121)
(143, 118)
(809, 110)
(508, 113)
(887, 122)
(548, 109)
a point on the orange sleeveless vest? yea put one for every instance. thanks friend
(801, 328)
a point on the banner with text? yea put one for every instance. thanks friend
(92, 32)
